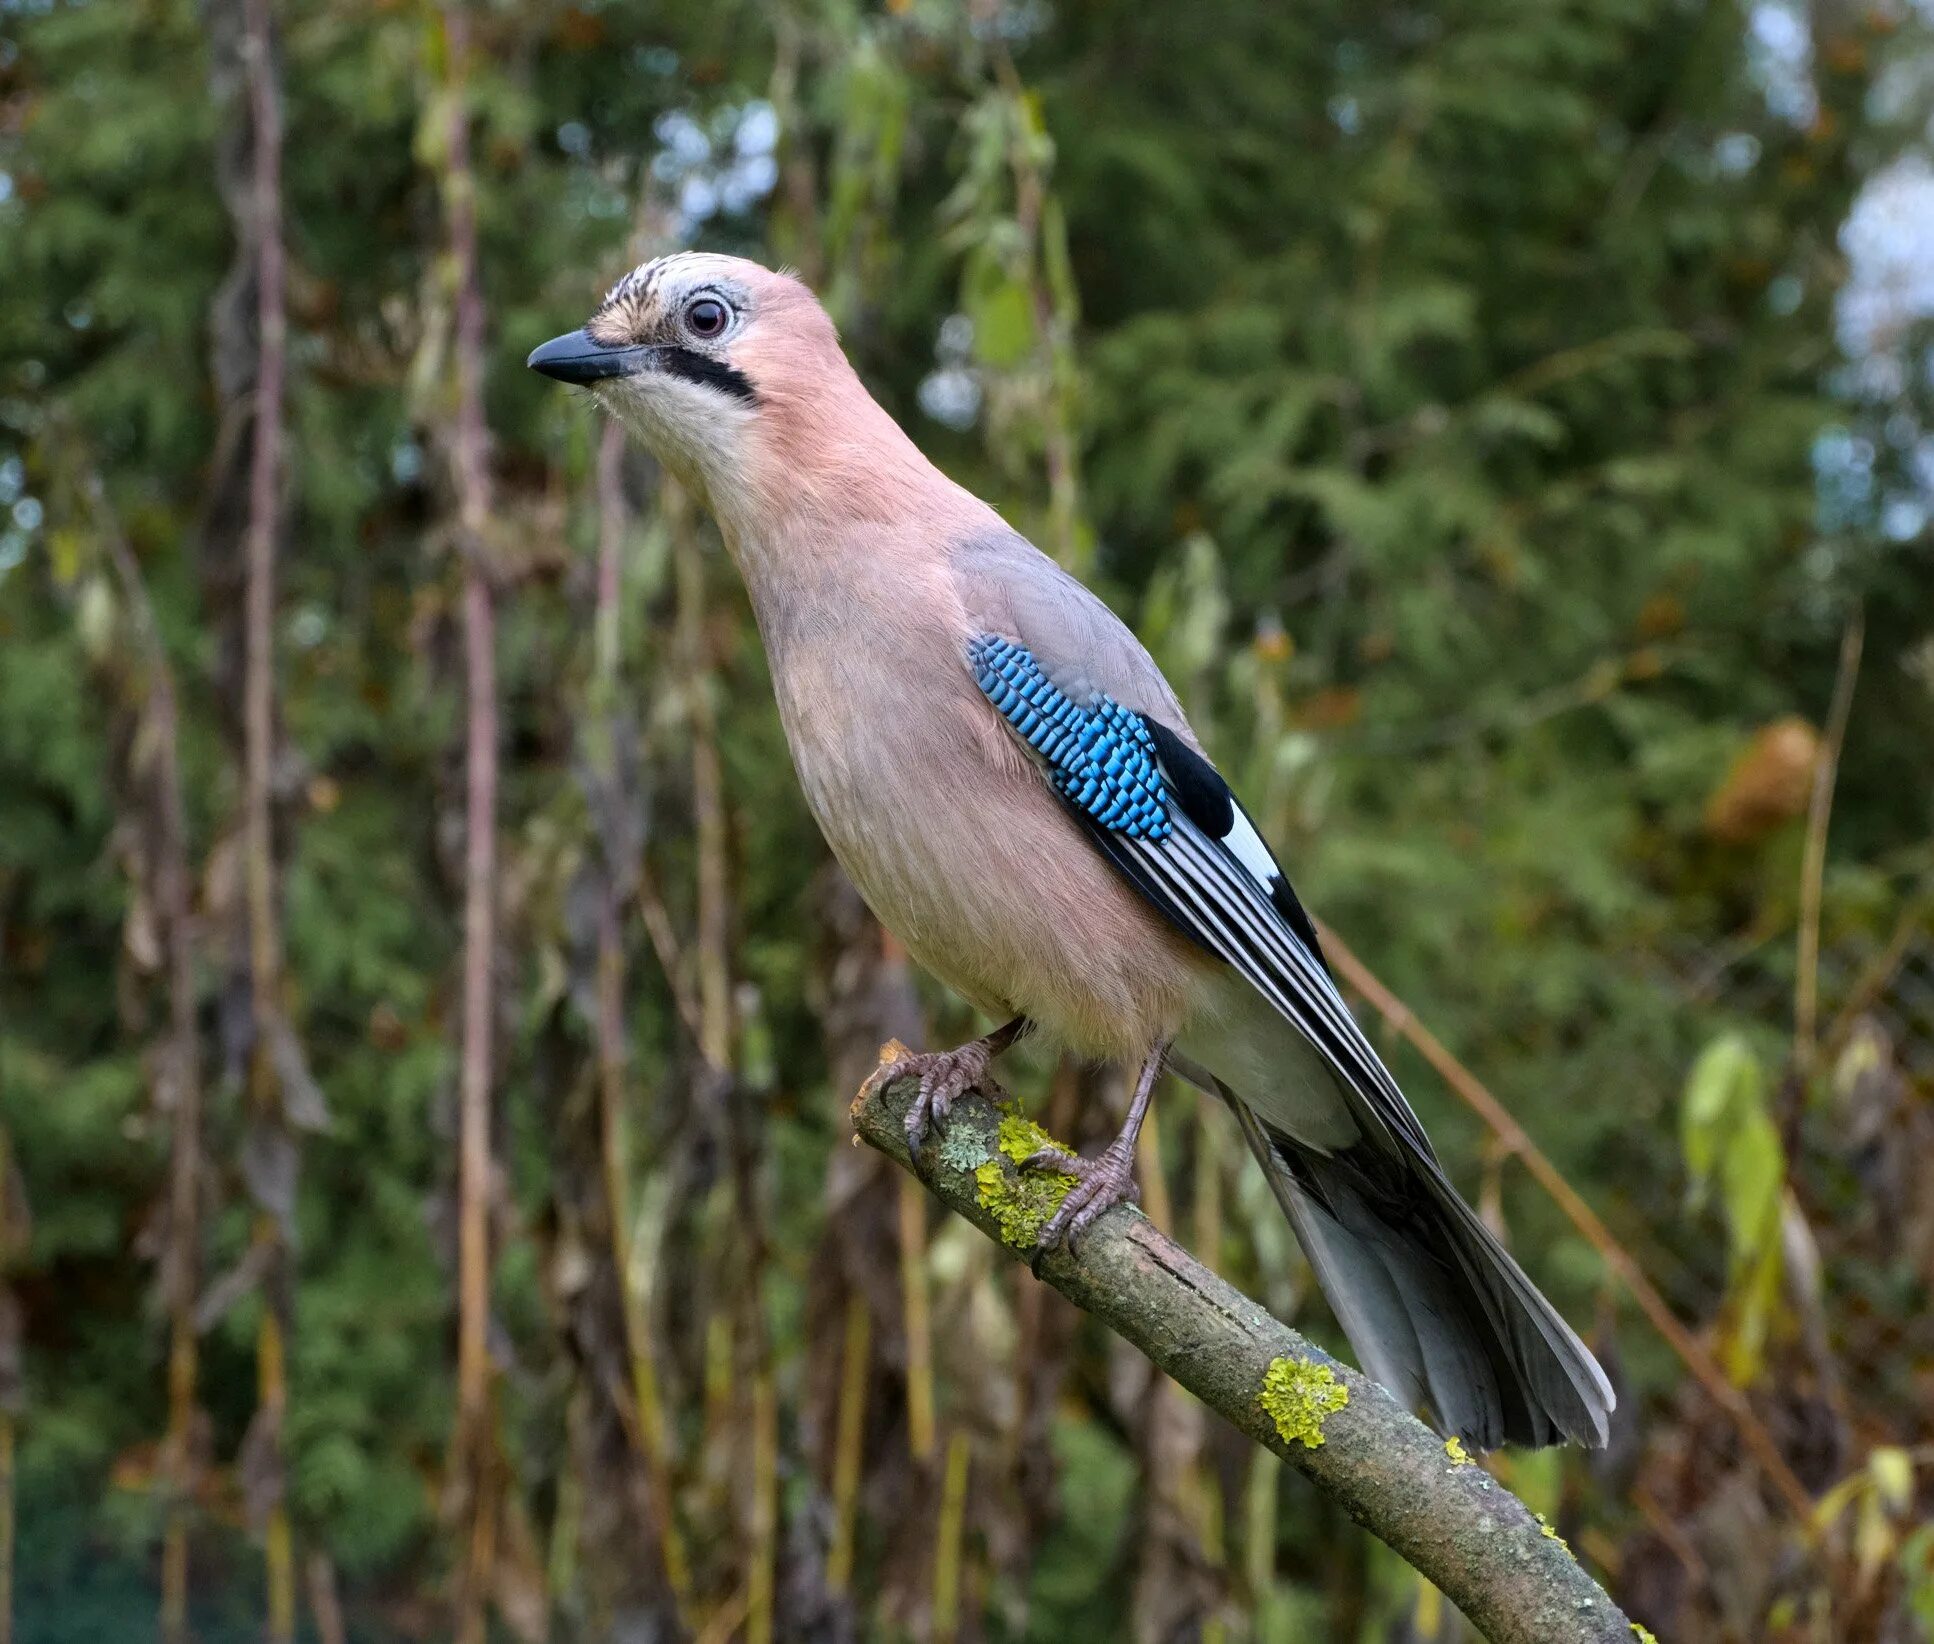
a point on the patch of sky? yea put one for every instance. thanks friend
(951, 392)
(1736, 153)
(725, 165)
(1779, 56)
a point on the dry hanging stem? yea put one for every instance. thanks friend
(1172, 1593)
(650, 1430)
(948, 1537)
(1050, 292)
(743, 1318)
(1806, 988)
(917, 1321)
(12, 1218)
(473, 1447)
(182, 1259)
(181, 1075)
(849, 1442)
(714, 940)
(258, 744)
(6, 1525)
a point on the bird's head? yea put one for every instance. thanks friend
(708, 360)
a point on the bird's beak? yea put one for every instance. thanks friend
(576, 358)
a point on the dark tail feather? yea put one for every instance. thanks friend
(1434, 1306)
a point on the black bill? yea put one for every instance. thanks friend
(576, 358)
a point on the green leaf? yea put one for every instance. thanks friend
(1893, 1475)
(1729, 1137)
(1003, 319)
(1725, 1079)
(1752, 1173)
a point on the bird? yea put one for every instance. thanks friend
(1012, 785)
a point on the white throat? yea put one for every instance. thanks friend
(699, 433)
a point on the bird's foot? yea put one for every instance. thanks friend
(945, 1076)
(1100, 1183)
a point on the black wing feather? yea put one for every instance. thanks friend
(1209, 897)
(1437, 1303)
(1209, 801)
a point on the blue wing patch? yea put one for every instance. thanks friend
(1100, 756)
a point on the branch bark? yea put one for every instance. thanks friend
(1451, 1521)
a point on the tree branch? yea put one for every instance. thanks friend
(1510, 1575)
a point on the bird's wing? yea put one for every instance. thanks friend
(1437, 1308)
(1010, 587)
(1095, 712)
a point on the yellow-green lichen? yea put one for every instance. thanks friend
(1299, 1395)
(1021, 1201)
(1643, 1634)
(1022, 1138)
(1545, 1530)
(1459, 1456)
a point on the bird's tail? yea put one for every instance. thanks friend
(1435, 1308)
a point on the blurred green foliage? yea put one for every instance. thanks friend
(1441, 389)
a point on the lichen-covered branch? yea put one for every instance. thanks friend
(1483, 1548)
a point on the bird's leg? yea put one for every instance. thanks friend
(1103, 1181)
(944, 1076)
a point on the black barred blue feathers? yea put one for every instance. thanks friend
(1100, 757)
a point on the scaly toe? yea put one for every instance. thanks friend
(938, 1088)
(945, 1076)
(1104, 1183)
(919, 1113)
(1055, 1158)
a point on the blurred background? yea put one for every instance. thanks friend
(427, 1013)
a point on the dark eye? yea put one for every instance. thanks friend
(706, 317)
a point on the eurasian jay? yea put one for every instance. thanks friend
(1010, 782)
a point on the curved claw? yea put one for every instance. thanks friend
(945, 1076)
(941, 1083)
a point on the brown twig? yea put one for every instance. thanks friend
(714, 932)
(181, 1264)
(745, 1318)
(1676, 1541)
(763, 1564)
(916, 1321)
(947, 1539)
(653, 915)
(849, 1442)
(649, 1430)
(11, 1217)
(470, 471)
(1813, 865)
(325, 1602)
(1879, 971)
(1039, 223)
(258, 740)
(1615, 1256)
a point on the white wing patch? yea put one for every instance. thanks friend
(1246, 846)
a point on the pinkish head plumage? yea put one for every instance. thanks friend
(692, 352)
(732, 376)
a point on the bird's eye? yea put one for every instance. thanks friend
(707, 317)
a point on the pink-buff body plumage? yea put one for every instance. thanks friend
(872, 576)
